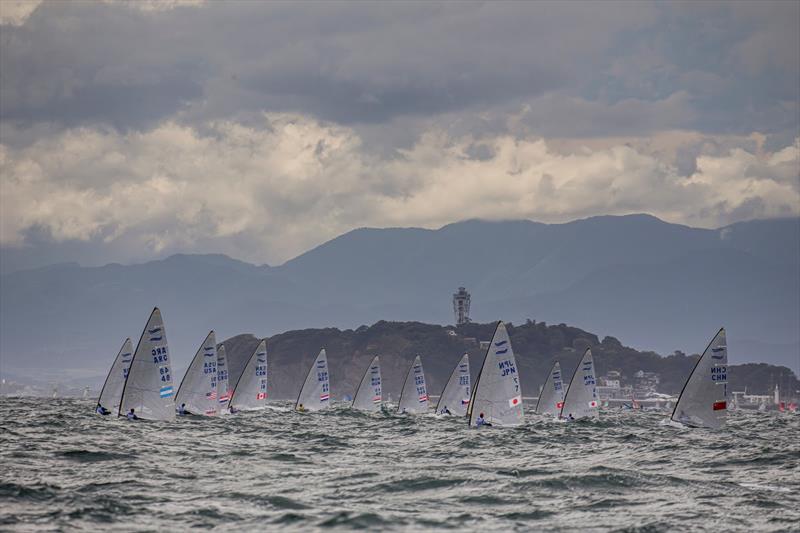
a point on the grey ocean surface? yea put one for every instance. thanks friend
(65, 468)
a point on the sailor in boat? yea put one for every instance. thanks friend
(182, 410)
(301, 408)
(102, 410)
(131, 415)
(480, 421)
(570, 418)
(445, 411)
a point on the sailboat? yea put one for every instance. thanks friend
(111, 393)
(223, 386)
(148, 388)
(581, 401)
(369, 394)
(455, 396)
(551, 399)
(315, 394)
(497, 393)
(250, 392)
(198, 389)
(704, 399)
(414, 394)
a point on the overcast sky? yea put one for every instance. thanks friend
(129, 131)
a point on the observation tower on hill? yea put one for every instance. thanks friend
(461, 301)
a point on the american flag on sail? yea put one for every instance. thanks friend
(324, 397)
(465, 401)
(211, 395)
(211, 412)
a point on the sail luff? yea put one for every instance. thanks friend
(198, 388)
(414, 394)
(251, 387)
(315, 392)
(109, 397)
(375, 391)
(700, 403)
(580, 400)
(149, 385)
(452, 397)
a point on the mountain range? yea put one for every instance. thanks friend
(655, 285)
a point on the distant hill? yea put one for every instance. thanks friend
(536, 345)
(659, 286)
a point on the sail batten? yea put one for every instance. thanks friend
(497, 393)
(580, 400)
(369, 395)
(250, 391)
(414, 394)
(315, 392)
(703, 401)
(111, 393)
(456, 394)
(551, 399)
(149, 388)
(198, 388)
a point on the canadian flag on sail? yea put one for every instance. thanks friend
(515, 401)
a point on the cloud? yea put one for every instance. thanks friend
(269, 191)
(132, 65)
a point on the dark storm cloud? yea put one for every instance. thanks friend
(370, 63)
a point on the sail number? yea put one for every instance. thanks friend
(507, 368)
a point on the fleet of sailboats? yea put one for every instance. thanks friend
(140, 385)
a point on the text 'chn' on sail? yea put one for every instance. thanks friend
(369, 395)
(315, 394)
(197, 393)
(149, 388)
(704, 399)
(580, 400)
(414, 394)
(455, 396)
(250, 392)
(497, 393)
(111, 393)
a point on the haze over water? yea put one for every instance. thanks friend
(66, 468)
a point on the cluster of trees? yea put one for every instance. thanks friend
(537, 346)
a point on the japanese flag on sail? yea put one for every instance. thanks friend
(261, 396)
(559, 405)
(593, 403)
(515, 401)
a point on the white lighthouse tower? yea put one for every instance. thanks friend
(461, 301)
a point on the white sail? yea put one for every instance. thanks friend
(111, 393)
(704, 399)
(551, 399)
(250, 391)
(223, 384)
(497, 392)
(198, 388)
(414, 394)
(580, 401)
(149, 389)
(369, 394)
(316, 391)
(455, 396)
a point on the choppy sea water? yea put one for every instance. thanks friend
(65, 468)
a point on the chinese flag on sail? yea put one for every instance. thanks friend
(718, 406)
